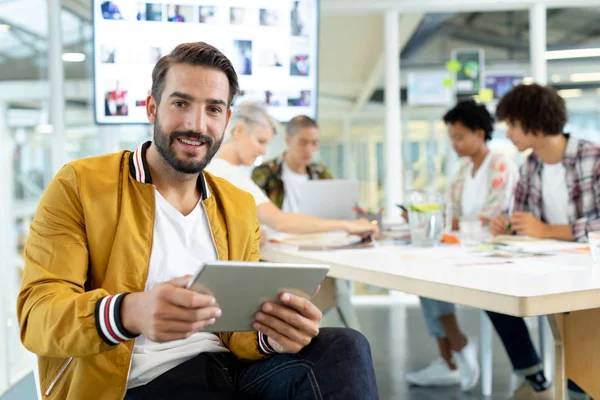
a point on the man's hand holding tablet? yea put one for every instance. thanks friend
(169, 311)
(227, 296)
(290, 327)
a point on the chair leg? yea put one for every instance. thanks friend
(345, 308)
(36, 375)
(486, 354)
(556, 322)
(546, 348)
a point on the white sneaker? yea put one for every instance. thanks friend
(468, 365)
(526, 392)
(436, 374)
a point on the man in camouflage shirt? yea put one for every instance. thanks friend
(279, 178)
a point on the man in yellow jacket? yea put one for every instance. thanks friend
(114, 241)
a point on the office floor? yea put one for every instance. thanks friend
(399, 344)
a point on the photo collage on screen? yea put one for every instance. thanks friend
(271, 44)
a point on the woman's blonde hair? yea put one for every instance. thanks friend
(253, 115)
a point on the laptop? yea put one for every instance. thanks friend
(329, 198)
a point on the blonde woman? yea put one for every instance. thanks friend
(250, 131)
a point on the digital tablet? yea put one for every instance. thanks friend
(241, 288)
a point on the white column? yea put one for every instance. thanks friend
(349, 169)
(57, 80)
(539, 73)
(537, 43)
(393, 135)
(7, 242)
(372, 201)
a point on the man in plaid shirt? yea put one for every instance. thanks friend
(557, 197)
(559, 163)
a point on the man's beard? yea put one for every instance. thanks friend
(164, 145)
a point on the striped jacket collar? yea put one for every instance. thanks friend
(140, 171)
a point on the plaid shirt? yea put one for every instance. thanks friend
(582, 174)
(268, 176)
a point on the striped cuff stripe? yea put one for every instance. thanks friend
(110, 312)
(263, 344)
(139, 164)
(108, 320)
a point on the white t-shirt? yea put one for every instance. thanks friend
(476, 188)
(181, 244)
(555, 197)
(291, 181)
(237, 177)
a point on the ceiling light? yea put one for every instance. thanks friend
(570, 93)
(44, 128)
(527, 80)
(73, 57)
(72, 148)
(574, 53)
(4, 27)
(585, 77)
(555, 78)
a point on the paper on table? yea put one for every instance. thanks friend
(441, 252)
(529, 244)
(398, 226)
(323, 241)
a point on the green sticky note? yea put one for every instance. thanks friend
(486, 95)
(448, 82)
(453, 66)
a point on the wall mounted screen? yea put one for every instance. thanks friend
(271, 43)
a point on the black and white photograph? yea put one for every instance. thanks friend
(180, 13)
(242, 57)
(269, 17)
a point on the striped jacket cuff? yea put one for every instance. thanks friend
(108, 320)
(263, 345)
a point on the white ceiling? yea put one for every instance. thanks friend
(29, 28)
(351, 39)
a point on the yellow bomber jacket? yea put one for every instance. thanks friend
(90, 241)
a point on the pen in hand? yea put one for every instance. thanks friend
(511, 206)
(359, 210)
(402, 207)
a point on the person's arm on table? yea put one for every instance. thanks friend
(529, 225)
(525, 224)
(286, 222)
(499, 225)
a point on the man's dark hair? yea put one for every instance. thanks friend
(472, 115)
(537, 108)
(300, 122)
(196, 53)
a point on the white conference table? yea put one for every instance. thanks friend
(532, 286)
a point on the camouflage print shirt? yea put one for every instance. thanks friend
(268, 177)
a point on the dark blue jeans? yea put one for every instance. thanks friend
(336, 365)
(516, 339)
